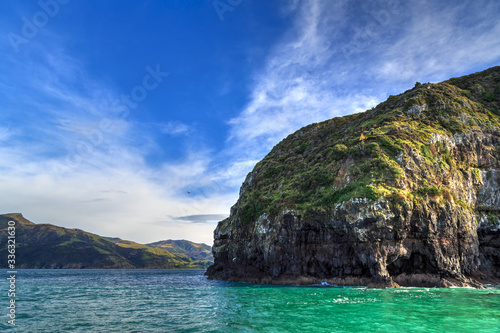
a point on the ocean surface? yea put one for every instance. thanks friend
(185, 301)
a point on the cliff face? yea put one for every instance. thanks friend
(416, 203)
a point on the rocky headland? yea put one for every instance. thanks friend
(416, 203)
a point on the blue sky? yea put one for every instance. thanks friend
(141, 119)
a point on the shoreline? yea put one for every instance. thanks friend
(401, 281)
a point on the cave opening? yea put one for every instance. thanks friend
(417, 263)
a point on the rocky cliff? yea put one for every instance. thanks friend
(416, 203)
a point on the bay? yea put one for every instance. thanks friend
(185, 301)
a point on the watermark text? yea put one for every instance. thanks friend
(223, 6)
(31, 26)
(11, 263)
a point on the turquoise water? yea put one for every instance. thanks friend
(185, 301)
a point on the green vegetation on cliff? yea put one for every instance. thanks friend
(406, 193)
(326, 163)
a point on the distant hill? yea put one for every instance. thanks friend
(50, 246)
(192, 250)
(197, 252)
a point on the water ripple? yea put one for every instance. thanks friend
(185, 301)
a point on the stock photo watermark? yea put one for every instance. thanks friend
(11, 264)
(32, 25)
(94, 138)
(373, 30)
(223, 6)
(150, 82)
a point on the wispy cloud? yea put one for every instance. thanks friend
(5, 133)
(175, 128)
(442, 38)
(203, 218)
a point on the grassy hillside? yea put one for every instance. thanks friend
(50, 246)
(194, 254)
(193, 250)
(326, 163)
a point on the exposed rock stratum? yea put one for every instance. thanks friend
(414, 204)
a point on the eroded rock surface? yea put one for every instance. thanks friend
(416, 204)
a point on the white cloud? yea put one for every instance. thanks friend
(5, 133)
(202, 218)
(175, 128)
(441, 40)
